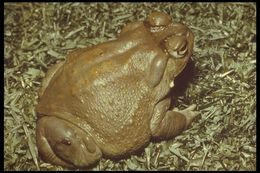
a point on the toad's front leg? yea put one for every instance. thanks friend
(61, 143)
(167, 124)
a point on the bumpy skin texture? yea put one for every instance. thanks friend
(111, 99)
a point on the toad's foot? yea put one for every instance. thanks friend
(189, 113)
(167, 124)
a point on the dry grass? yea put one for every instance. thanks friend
(37, 35)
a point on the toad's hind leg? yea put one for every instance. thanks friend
(45, 149)
(62, 143)
(173, 123)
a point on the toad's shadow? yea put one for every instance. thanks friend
(182, 81)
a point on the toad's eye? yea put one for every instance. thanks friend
(177, 46)
(66, 141)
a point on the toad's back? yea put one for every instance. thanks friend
(107, 97)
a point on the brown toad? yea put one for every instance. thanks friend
(112, 98)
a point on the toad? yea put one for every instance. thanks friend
(111, 99)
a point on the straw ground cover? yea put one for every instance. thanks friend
(221, 80)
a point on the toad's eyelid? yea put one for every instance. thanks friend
(183, 48)
(181, 51)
